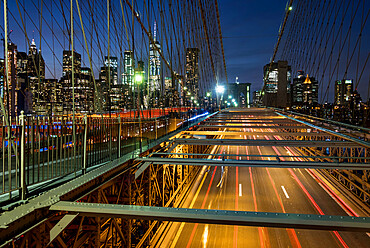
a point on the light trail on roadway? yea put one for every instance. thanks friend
(266, 190)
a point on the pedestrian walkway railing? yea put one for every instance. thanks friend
(41, 148)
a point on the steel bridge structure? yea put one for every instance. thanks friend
(134, 202)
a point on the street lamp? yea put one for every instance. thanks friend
(138, 78)
(220, 89)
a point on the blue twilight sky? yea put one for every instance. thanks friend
(250, 29)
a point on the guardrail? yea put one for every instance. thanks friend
(42, 148)
(337, 124)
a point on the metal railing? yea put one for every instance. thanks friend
(43, 148)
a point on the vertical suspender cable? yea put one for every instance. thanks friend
(73, 93)
(7, 88)
(222, 44)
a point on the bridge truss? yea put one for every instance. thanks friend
(129, 202)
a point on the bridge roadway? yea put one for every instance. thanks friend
(264, 190)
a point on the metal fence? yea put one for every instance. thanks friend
(41, 148)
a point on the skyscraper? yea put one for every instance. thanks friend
(257, 98)
(24, 93)
(111, 82)
(36, 79)
(11, 83)
(342, 91)
(154, 70)
(192, 73)
(82, 88)
(277, 81)
(310, 94)
(297, 89)
(304, 91)
(67, 62)
(55, 96)
(128, 76)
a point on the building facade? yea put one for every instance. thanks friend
(109, 78)
(277, 79)
(67, 62)
(81, 90)
(36, 80)
(304, 91)
(192, 75)
(241, 93)
(343, 91)
(127, 78)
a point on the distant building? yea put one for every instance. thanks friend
(11, 86)
(67, 62)
(36, 80)
(241, 93)
(192, 73)
(22, 61)
(172, 87)
(257, 101)
(128, 77)
(277, 84)
(304, 91)
(86, 71)
(297, 89)
(154, 64)
(109, 77)
(55, 96)
(310, 94)
(83, 93)
(82, 87)
(24, 94)
(343, 91)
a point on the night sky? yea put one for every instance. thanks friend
(250, 30)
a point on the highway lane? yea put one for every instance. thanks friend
(270, 190)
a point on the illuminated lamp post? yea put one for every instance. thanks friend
(139, 81)
(220, 89)
(209, 94)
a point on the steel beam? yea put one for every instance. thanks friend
(232, 121)
(261, 142)
(61, 225)
(282, 157)
(222, 217)
(263, 120)
(241, 126)
(257, 163)
(283, 134)
(343, 136)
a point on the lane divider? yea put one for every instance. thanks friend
(291, 232)
(203, 203)
(173, 243)
(337, 235)
(285, 193)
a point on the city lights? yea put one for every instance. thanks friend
(220, 89)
